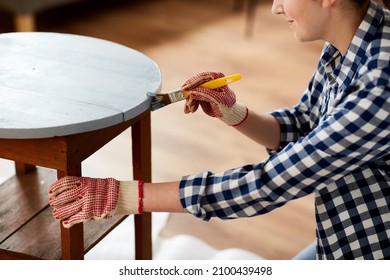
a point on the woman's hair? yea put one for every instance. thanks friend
(386, 3)
(360, 3)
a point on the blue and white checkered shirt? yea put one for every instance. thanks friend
(335, 142)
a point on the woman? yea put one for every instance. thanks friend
(335, 143)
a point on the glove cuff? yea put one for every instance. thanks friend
(130, 200)
(234, 115)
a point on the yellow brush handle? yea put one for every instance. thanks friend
(213, 84)
(220, 82)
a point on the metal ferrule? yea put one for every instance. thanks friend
(176, 95)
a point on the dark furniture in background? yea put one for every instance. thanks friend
(24, 11)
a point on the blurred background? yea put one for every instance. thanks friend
(185, 37)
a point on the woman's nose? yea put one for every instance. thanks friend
(277, 7)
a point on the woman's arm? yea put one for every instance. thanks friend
(162, 197)
(264, 129)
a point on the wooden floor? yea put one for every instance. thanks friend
(185, 37)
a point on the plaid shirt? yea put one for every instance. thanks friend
(335, 142)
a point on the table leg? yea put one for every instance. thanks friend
(24, 22)
(72, 239)
(23, 169)
(142, 170)
(250, 17)
(72, 242)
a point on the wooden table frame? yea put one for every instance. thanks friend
(65, 154)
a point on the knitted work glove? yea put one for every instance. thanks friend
(219, 103)
(77, 199)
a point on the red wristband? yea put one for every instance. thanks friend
(140, 196)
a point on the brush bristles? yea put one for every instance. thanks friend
(160, 100)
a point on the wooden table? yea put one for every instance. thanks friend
(63, 97)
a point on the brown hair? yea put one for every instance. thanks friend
(360, 3)
(386, 3)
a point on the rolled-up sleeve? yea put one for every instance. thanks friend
(294, 123)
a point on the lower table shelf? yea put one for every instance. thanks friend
(27, 227)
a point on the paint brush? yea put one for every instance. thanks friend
(160, 100)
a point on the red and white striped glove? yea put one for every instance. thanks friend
(219, 103)
(78, 199)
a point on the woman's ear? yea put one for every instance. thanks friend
(328, 3)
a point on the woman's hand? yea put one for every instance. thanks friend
(78, 199)
(219, 103)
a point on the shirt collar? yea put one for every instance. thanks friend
(331, 56)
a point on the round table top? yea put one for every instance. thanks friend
(54, 84)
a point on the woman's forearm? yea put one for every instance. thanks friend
(162, 197)
(263, 128)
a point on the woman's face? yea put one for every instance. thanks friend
(306, 18)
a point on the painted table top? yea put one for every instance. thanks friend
(54, 84)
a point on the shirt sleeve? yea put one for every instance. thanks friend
(297, 122)
(355, 133)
